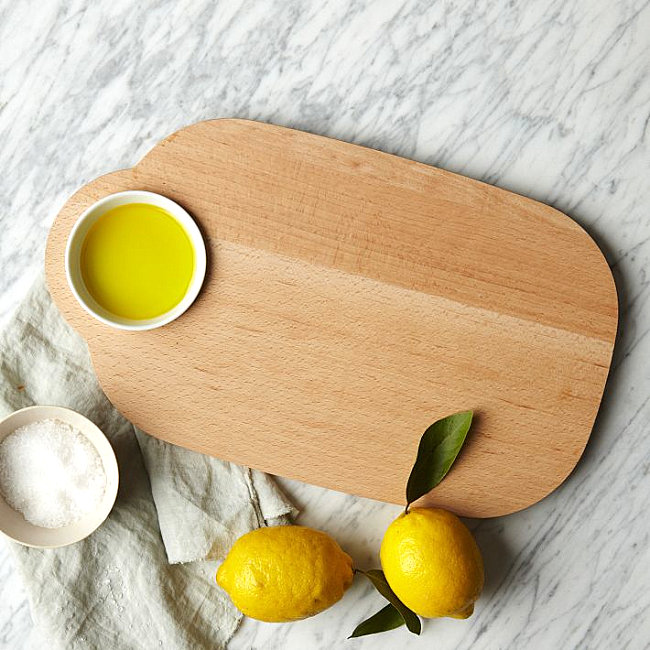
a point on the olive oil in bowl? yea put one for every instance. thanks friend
(137, 261)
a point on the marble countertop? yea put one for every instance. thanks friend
(551, 100)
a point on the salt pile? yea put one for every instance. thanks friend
(51, 473)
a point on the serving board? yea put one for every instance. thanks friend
(352, 298)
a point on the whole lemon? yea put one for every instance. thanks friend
(432, 563)
(285, 573)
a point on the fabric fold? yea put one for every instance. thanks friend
(199, 524)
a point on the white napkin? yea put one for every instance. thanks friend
(196, 521)
(122, 587)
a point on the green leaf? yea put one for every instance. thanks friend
(378, 579)
(385, 619)
(438, 449)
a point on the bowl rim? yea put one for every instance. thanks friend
(95, 211)
(106, 454)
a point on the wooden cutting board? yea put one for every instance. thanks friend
(352, 298)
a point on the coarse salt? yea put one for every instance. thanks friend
(51, 473)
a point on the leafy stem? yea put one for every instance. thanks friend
(393, 615)
(439, 447)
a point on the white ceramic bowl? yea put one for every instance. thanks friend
(15, 526)
(73, 257)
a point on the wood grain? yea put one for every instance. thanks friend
(352, 298)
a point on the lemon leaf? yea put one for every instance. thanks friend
(438, 449)
(387, 618)
(378, 579)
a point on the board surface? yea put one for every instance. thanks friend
(352, 298)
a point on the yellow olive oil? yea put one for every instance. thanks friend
(137, 261)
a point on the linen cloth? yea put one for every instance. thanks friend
(145, 579)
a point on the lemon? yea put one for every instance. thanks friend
(285, 573)
(432, 563)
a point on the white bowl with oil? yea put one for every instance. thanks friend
(75, 249)
(15, 526)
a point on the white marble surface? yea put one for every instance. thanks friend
(550, 99)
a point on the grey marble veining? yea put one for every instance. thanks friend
(549, 99)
